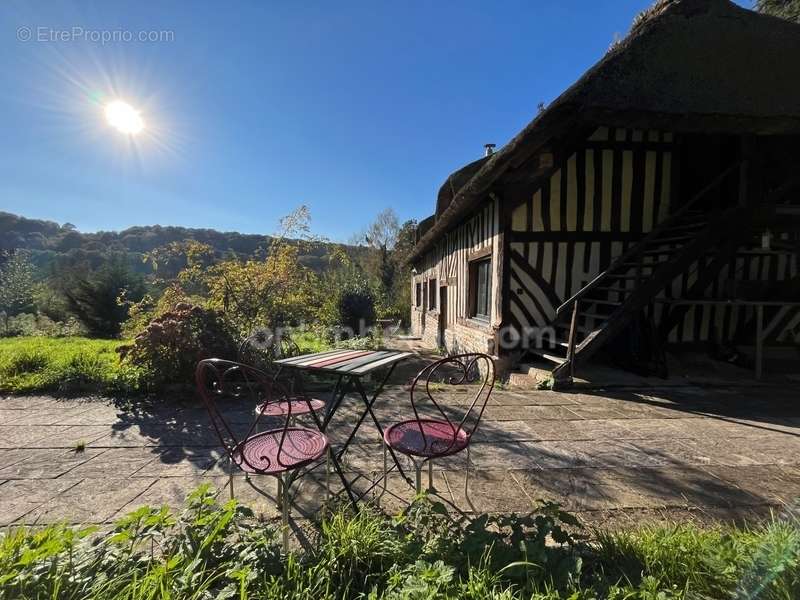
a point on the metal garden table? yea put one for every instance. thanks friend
(349, 367)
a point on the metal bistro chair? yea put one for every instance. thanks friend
(260, 350)
(277, 452)
(425, 439)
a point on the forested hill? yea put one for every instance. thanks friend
(53, 244)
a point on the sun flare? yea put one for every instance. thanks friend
(124, 118)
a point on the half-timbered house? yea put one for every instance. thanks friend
(657, 200)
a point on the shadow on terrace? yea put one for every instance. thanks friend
(682, 452)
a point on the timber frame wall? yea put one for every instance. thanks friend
(604, 198)
(554, 237)
(479, 236)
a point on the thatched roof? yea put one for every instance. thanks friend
(455, 182)
(424, 226)
(688, 65)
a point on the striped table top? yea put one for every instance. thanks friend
(345, 362)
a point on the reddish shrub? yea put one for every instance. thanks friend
(171, 345)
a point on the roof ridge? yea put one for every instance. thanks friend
(684, 64)
(684, 8)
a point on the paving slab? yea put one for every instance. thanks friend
(613, 456)
(578, 489)
(613, 453)
(29, 436)
(771, 484)
(48, 463)
(530, 413)
(509, 431)
(177, 462)
(172, 492)
(24, 402)
(20, 497)
(596, 412)
(509, 455)
(577, 430)
(89, 501)
(7, 417)
(489, 491)
(533, 398)
(58, 414)
(680, 487)
(731, 451)
(90, 435)
(118, 462)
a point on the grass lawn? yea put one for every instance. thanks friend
(64, 365)
(75, 365)
(213, 550)
(309, 342)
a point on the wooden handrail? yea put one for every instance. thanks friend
(636, 248)
(572, 339)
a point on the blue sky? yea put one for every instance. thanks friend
(253, 108)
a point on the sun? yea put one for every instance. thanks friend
(124, 118)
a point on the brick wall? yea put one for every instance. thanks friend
(425, 324)
(459, 337)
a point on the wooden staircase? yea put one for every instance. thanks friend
(608, 304)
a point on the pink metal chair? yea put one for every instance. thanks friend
(278, 451)
(260, 350)
(429, 438)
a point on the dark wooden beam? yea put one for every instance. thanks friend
(695, 123)
(614, 145)
(705, 278)
(502, 304)
(574, 236)
(478, 254)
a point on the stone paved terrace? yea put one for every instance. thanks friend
(613, 457)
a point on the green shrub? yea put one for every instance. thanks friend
(28, 324)
(356, 308)
(148, 308)
(169, 348)
(366, 342)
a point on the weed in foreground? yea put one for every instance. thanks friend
(219, 550)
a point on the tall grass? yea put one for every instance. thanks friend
(64, 365)
(761, 562)
(213, 550)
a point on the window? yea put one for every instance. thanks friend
(480, 288)
(418, 295)
(432, 294)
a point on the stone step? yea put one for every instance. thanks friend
(531, 375)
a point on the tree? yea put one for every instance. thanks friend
(381, 237)
(100, 299)
(186, 261)
(382, 233)
(17, 285)
(273, 291)
(785, 9)
(400, 296)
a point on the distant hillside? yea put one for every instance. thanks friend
(54, 245)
